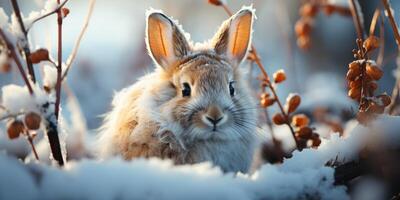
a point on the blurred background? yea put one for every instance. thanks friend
(112, 54)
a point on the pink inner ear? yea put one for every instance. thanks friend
(160, 38)
(239, 36)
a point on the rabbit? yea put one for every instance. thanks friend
(195, 107)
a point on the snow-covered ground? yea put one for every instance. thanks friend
(301, 177)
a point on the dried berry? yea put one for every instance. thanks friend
(265, 95)
(355, 84)
(279, 119)
(304, 42)
(279, 76)
(303, 28)
(39, 55)
(267, 102)
(308, 10)
(355, 93)
(32, 121)
(374, 72)
(371, 43)
(15, 128)
(300, 120)
(215, 2)
(384, 99)
(375, 108)
(316, 141)
(304, 132)
(355, 65)
(65, 12)
(5, 68)
(329, 9)
(292, 102)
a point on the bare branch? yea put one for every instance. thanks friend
(48, 14)
(71, 58)
(16, 60)
(25, 44)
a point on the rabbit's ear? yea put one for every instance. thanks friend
(233, 37)
(165, 42)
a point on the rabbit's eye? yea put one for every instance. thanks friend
(231, 88)
(186, 90)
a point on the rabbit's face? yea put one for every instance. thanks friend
(205, 97)
(211, 100)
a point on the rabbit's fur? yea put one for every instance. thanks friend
(156, 117)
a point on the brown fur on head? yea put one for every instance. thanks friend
(208, 98)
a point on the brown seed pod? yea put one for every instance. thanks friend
(329, 9)
(372, 86)
(355, 65)
(65, 12)
(355, 84)
(304, 42)
(300, 120)
(279, 76)
(39, 55)
(215, 2)
(15, 128)
(292, 102)
(308, 10)
(354, 93)
(374, 72)
(279, 119)
(5, 68)
(384, 99)
(267, 102)
(32, 121)
(351, 75)
(304, 132)
(375, 108)
(264, 95)
(316, 140)
(371, 43)
(302, 27)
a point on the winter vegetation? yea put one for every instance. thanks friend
(249, 131)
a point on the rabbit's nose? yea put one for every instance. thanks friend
(214, 116)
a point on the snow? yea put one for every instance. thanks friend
(17, 98)
(154, 178)
(300, 177)
(50, 76)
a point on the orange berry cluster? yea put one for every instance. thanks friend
(303, 133)
(17, 127)
(307, 12)
(362, 76)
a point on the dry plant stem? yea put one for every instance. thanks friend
(393, 24)
(59, 64)
(25, 47)
(381, 53)
(356, 19)
(392, 21)
(30, 140)
(16, 60)
(374, 21)
(78, 41)
(48, 14)
(270, 86)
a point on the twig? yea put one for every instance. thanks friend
(16, 60)
(25, 44)
(374, 21)
(59, 64)
(392, 21)
(393, 24)
(71, 58)
(257, 60)
(357, 19)
(381, 54)
(30, 140)
(48, 14)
